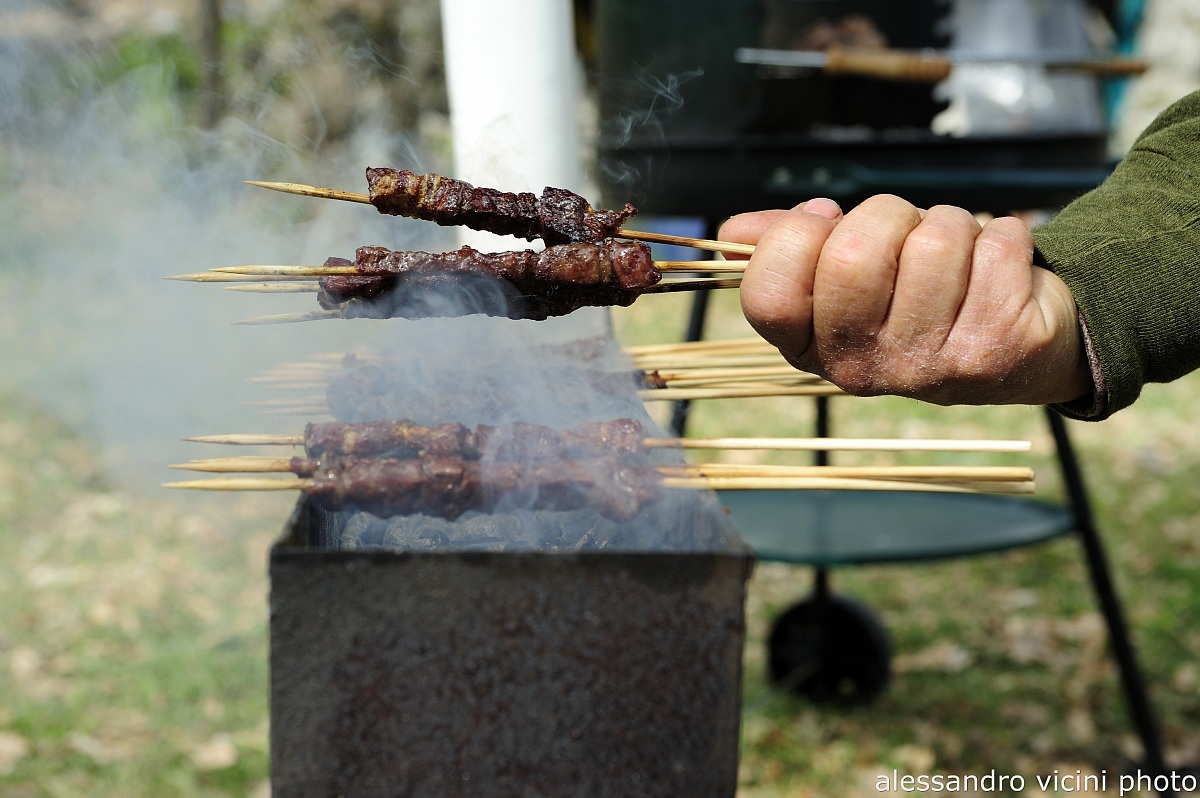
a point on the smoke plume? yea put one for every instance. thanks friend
(106, 190)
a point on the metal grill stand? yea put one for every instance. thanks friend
(1132, 683)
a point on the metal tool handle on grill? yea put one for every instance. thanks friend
(907, 65)
(928, 66)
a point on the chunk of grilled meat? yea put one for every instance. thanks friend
(402, 438)
(559, 216)
(532, 285)
(447, 486)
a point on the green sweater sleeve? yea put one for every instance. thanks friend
(1129, 250)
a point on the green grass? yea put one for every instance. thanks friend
(133, 650)
(133, 626)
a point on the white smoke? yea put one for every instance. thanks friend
(653, 99)
(105, 190)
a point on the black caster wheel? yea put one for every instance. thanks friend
(831, 650)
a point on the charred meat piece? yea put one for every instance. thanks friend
(524, 441)
(620, 436)
(533, 285)
(558, 217)
(401, 439)
(447, 486)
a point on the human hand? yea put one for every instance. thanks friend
(892, 299)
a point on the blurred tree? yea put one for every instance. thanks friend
(211, 100)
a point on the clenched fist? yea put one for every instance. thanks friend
(892, 299)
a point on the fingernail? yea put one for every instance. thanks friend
(822, 206)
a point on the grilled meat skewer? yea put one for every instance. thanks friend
(447, 486)
(559, 216)
(539, 285)
(516, 441)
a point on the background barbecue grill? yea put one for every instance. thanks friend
(686, 130)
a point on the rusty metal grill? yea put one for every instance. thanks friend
(472, 672)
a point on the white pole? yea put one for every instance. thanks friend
(512, 76)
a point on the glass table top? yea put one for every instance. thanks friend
(826, 528)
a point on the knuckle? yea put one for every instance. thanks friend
(792, 242)
(888, 204)
(852, 250)
(945, 233)
(1005, 237)
(794, 226)
(953, 213)
(931, 243)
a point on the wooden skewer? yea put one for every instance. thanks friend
(686, 483)
(250, 439)
(715, 360)
(700, 266)
(285, 373)
(700, 351)
(701, 346)
(662, 288)
(318, 365)
(326, 357)
(288, 318)
(833, 483)
(844, 444)
(312, 385)
(748, 384)
(745, 380)
(726, 247)
(279, 287)
(953, 473)
(278, 376)
(766, 352)
(731, 361)
(313, 191)
(289, 402)
(669, 286)
(757, 481)
(283, 270)
(257, 463)
(768, 357)
(311, 381)
(723, 372)
(242, 483)
(286, 269)
(242, 465)
(301, 405)
(637, 235)
(212, 276)
(773, 444)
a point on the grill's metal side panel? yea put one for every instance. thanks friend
(505, 674)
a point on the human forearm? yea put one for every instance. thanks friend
(1130, 253)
